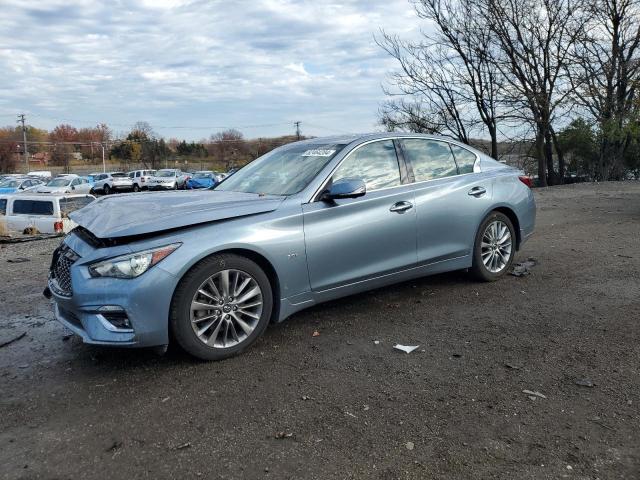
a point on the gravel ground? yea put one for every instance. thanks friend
(344, 404)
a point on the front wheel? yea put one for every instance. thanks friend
(494, 247)
(107, 189)
(221, 307)
(136, 188)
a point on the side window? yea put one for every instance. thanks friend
(464, 158)
(137, 174)
(76, 181)
(429, 159)
(3, 206)
(375, 163)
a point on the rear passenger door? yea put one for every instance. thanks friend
(450, 198)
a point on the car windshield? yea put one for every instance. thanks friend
(59, 182)
(9, 184)
(165, 173)
(284, 171)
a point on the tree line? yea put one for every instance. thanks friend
(562, 73)
(140, 146)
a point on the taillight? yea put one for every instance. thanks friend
(58, 227)
(526, 180)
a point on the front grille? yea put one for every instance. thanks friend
(60, 274)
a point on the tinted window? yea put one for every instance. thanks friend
(3, 206)
(375, 163)
(32, 207)
(429, 158)
(464, 158)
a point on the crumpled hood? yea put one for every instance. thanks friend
(142, 213)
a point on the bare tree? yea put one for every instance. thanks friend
(537, 39)
(607, 79)
(227, 147)
(449, 76)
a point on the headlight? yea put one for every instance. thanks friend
(132, 265)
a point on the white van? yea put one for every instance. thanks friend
(46, 212)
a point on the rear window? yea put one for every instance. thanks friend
(119, 175)
(32, 207)
(69, 205)
(3, 206)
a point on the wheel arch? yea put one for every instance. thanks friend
(511, 215)
(260, 260)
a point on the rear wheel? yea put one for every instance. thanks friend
(136, 188)
(107, 189)
(221, 307)
(494, 248)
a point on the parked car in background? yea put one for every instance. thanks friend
(108, 183)
(141, 179)
(13, 185)
(340, 215)
(65, 184)
(43, 175)
(48, 213)
(168, 179)
(220, 176)
(203, 179)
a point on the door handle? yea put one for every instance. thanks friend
(401, 207)
(477, 191)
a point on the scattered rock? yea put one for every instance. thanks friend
(512, 366)
(282, 435)
(316, 333)
(409, 445)
(183, 446)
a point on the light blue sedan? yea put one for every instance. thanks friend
(308, 222)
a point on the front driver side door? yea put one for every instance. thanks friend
(350, 241)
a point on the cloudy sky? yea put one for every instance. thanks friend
(191, 68)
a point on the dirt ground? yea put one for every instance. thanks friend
(344, 404)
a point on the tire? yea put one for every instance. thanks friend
(496, 250)
(136, 188)
(107, 189)
(175, 186)
(203, 332)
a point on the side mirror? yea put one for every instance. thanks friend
(345, 188)
(73, 187)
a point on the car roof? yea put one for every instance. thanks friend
(364, 137)
(44, 196)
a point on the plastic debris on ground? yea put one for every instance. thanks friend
(405, 348)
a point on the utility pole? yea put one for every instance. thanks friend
(24, 139)
(297, 124)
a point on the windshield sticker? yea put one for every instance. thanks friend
(318, 153)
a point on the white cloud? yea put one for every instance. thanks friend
(179, 62)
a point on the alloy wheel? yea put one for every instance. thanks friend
(226, 308)
(496, 248)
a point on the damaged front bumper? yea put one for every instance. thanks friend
(112, 311)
